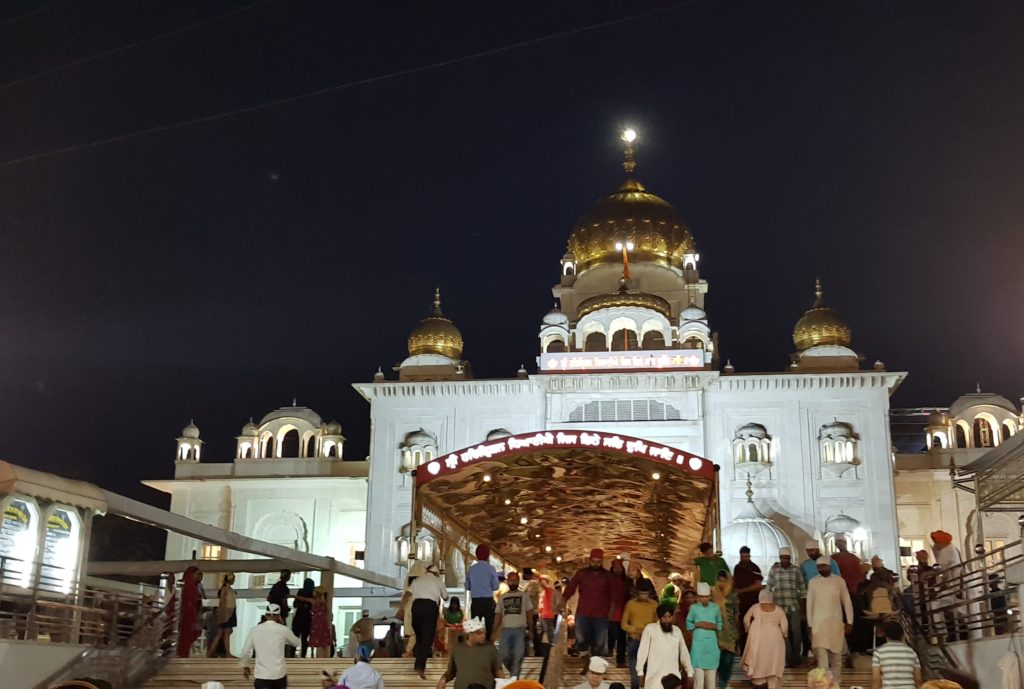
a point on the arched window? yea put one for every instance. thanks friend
(653, 339)
(1007, 429)
(838, 446)
(310, 446)
(624, 340)
(961, 435)
(595, 342)
(693, 343)
(982, 433)
(417, 448)
(938, 441)
(568, 268)
(268, 446)
(753, 447)
(556, 345)
(290, 444)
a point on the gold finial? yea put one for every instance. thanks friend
(437, 301)
(629, 164)
(750, 490)
(818, 293)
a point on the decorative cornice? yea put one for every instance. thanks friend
(448, 388)
(654, 382)
(851, 380)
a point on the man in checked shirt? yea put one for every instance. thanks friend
(789, 591)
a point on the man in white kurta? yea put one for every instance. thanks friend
(663, 650)
(829, 616)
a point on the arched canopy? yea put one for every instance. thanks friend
(575, 490)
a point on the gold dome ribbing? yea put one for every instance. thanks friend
(820, 325)
(436, 334)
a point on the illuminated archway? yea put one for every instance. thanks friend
(546, 498)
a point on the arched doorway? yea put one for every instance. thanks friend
(547, 498)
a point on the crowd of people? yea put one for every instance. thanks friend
(814, 615)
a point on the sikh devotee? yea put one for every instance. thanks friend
(810, 565)
(662, 650)
(595, 668)
(705, 621)
(789, 590)
(829, 616)
(638, 613)
(950, 564)
(474, 661)
(593, 583)
(764, 656)
(482, 582)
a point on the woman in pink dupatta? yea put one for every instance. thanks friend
(764, 657)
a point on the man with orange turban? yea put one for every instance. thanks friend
(951, 564)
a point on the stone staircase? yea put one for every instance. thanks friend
(190, 673)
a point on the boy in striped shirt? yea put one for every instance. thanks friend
(895, 665)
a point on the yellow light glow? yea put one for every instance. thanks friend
(629, 136)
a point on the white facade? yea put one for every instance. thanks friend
(314, 503)
(628, 349)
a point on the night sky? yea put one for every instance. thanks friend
(218, 269)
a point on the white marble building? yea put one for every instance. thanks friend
(286, 485)
(629, 349)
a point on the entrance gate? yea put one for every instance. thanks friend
(544, 499)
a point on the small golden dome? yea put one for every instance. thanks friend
(625, 297)
(436, 334)
(820, 325)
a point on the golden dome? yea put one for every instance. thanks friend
(820, 325)
(625, 297)
(635, 215)
(436, 334)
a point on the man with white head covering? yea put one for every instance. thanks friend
(810, 565)
(474, 661)
(268, 639)
(596, 669)
(829, 616)
(705, 621)
(789, 593)
(662, 649)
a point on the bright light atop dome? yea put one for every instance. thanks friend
(629, 136)
(619, 246)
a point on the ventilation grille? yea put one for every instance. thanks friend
(624, 410)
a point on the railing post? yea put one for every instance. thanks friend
(32, 623)
(983, 607)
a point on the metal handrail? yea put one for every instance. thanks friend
(129, 635)
(959, 605)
